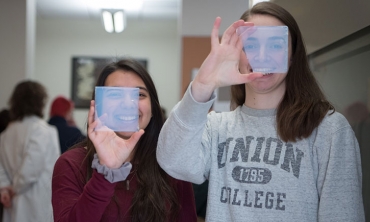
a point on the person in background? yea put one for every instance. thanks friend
(283, 153)
(114, 176)
(61, 116)
(358, 116)
(356, 112)
(28, 150)
(164, 113)
(201, 195)
(4, 121)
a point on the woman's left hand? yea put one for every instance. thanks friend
(112, 150)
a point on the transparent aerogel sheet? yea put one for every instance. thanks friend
(116, 108)
(266, 47)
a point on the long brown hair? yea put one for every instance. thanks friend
(155, 198)
(28, 98)
(304, 105)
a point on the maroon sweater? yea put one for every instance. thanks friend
(99, 200)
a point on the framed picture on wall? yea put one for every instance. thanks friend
(85, 71)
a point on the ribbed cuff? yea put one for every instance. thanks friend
(112, 175)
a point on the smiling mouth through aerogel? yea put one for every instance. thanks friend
(126, 118)
(265, 71)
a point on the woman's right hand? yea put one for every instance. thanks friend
(221, 67)
(112, 150)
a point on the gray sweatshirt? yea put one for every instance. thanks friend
(255, 176)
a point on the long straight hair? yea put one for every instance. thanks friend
(155, 198)
(303, 105)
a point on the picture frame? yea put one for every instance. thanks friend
(85, 71)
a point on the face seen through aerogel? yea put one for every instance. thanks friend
(117, 108)
(266, 48)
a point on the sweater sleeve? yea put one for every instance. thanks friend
(339, 178)
(181, 150)
(72, 200)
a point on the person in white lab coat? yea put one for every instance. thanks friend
(29, 148)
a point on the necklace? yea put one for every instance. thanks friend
(129, 180)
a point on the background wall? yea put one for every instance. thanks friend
(194, 51)
(17, 18)
(198, 16)
(342, 70)
(59, 40)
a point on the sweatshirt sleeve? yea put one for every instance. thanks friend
(182, 150)
(72, 200)
(339, 177)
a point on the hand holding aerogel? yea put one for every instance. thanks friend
(266, 47)
(116, 108)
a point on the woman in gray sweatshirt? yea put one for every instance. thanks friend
(282, 153)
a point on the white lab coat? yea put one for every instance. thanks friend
(28, 151)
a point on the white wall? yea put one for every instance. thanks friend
(346, 81)
(342, 70)
(198, 16)
(13, 46)
(58, 41)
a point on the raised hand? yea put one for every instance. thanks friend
(112, 150)
(221, 67)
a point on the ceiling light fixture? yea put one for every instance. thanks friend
(253, 2)
(114, 21)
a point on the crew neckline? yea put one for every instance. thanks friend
(258, 112)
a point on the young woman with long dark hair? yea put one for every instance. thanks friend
(114, 176)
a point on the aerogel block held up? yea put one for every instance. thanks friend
(116, 108)
(266, 47)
